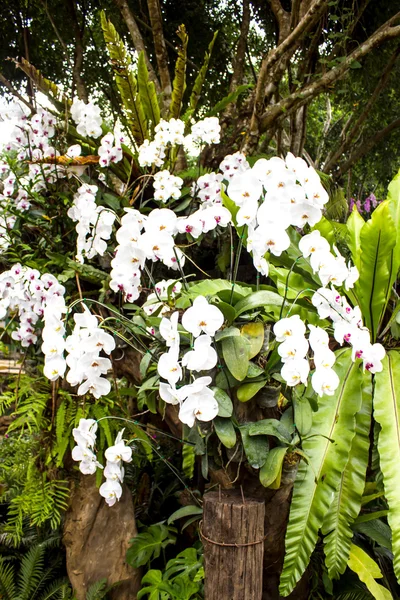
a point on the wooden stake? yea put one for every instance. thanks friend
(233, 538)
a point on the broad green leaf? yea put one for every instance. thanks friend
(271, 471)
(47, 87)
(387, 414)
(185, 511)
(346, 504)
(377, 242)
(211, 287)
(254, 370)
(235, 351)
(377, 530)
(290, 283)
(302, 415)
(179, 83)
(148, 544)
(355, 223)
(226, 333)
(327, 449)
(188, 460)
(254, 334)
(269, 301)
(271, 427)
(371, 516)
(199, 81)
(227, 310)
(394, 208)
(125, 80)
(256, 447)
(326, 229)
(367, 570)
(147, 92)
(225, 431)
(249, 390)
(225, 406)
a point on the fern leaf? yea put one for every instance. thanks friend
(147, 92)
(387, 414)
(57, 589)
(7, 581)
(327, 448)
(97, 590)
(347, 502)
(125, 80)
(30, 572)
(47, 87)
(199, 81)
(188, 460)
(179, 84)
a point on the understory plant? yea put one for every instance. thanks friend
(265, 334)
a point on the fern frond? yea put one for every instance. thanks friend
(97, 590)
(147, 92)
(7, 581)
(125, 80)
(30, 572)
(47, 87)
(199, 81)
(57, 590)
(347, 501)
(327, 449)
(179, 84)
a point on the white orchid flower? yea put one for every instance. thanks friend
(324, 381)
(201, 405)
(203, 357)
(289, 327)
(202, 317)
(111, 491)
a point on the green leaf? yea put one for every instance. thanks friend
(364, 518)
(327, 449)
(290, 283)
(346, 504)
(271, 427)
(225, 431)
(179, 83)
(269, 301)
(254, 334)
(147, 92)
(378, 531)
(188, 460)
(354, 224)
(232, 97)
(199, 81)
(125, 80)
(235, 351)
(302, 414)
(225, 406)
(212, 287)
(256, 447)
(377, 242)
(367, 570)
(271, 471)
(387, 414)
(148, 544)
(185, 511)
(226, 333)
(355, 64)
(249, 390)
(254, 370)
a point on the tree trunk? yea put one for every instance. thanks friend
(233, 538)
(96, 537)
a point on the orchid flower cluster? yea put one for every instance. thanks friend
(85, 438)
(84, 346)
(87, 117)
(25, 294)
(110, 149)
(94, 225)
(196, 400)
(171, 133)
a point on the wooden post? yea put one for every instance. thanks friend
(233, 538)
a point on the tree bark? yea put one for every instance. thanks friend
(238, 69)
(96, 537)
(137, 38)
(233, 538)
(160, 46)
(81, 89)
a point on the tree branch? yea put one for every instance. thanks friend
(334, 157)
(160, 46)
(137, 38)
(81, 89)
(238, 69)
(306, 94)
(365, 146)
(15, 93)
(273, 57)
